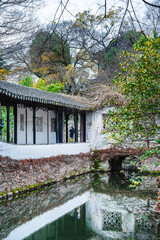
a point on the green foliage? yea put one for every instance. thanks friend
(27, 82)
(134, 183)
(48, 51)
(118, 45)
(86, 20)
(95, 164)
(55, 88)
(139, 83)
(158, 141)
(111, 55)
(132, 36)
(4, 119)
(155, 151)
(41, 84)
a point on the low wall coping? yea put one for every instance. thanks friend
(20, 152)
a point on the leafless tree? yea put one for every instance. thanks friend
(152, 17)
(157, 5)
(86, 35)
(17, 23)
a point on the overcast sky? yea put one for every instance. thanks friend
(49, 8)
(74, 6)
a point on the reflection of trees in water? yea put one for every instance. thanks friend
(158, 231)
(145, 227)
(103, 182)
(119, 181)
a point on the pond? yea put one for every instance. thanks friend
(91, 207)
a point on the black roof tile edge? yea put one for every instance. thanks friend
(35, 95)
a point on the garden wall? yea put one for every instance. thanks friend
(20, 152)
(30, 173)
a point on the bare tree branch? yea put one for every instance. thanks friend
(123, 18)
(151, 4)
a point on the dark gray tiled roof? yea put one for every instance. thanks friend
(35, 95)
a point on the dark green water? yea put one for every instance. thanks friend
(92, 207)
(69, 227)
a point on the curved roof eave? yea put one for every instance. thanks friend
(16, 91)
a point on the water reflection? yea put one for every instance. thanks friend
(71, 226)
(115, 216)
(99, 207)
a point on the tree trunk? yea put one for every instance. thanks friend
(147, 142)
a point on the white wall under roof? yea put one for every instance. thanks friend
(95, 139)
(41, 136)
(20, 152)
(94, 129)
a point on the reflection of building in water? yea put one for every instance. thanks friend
(104, 216)
(145, 226)
(119, 217)
(66, 220)
(93, 216)
(71, 226)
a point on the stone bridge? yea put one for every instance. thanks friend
(112, 158)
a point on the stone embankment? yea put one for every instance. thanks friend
(20, 176)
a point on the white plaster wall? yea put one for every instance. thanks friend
(52, 135)
(100, 140)
(41, 137)
(20, 152)
(21, 135)
(94, 129)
